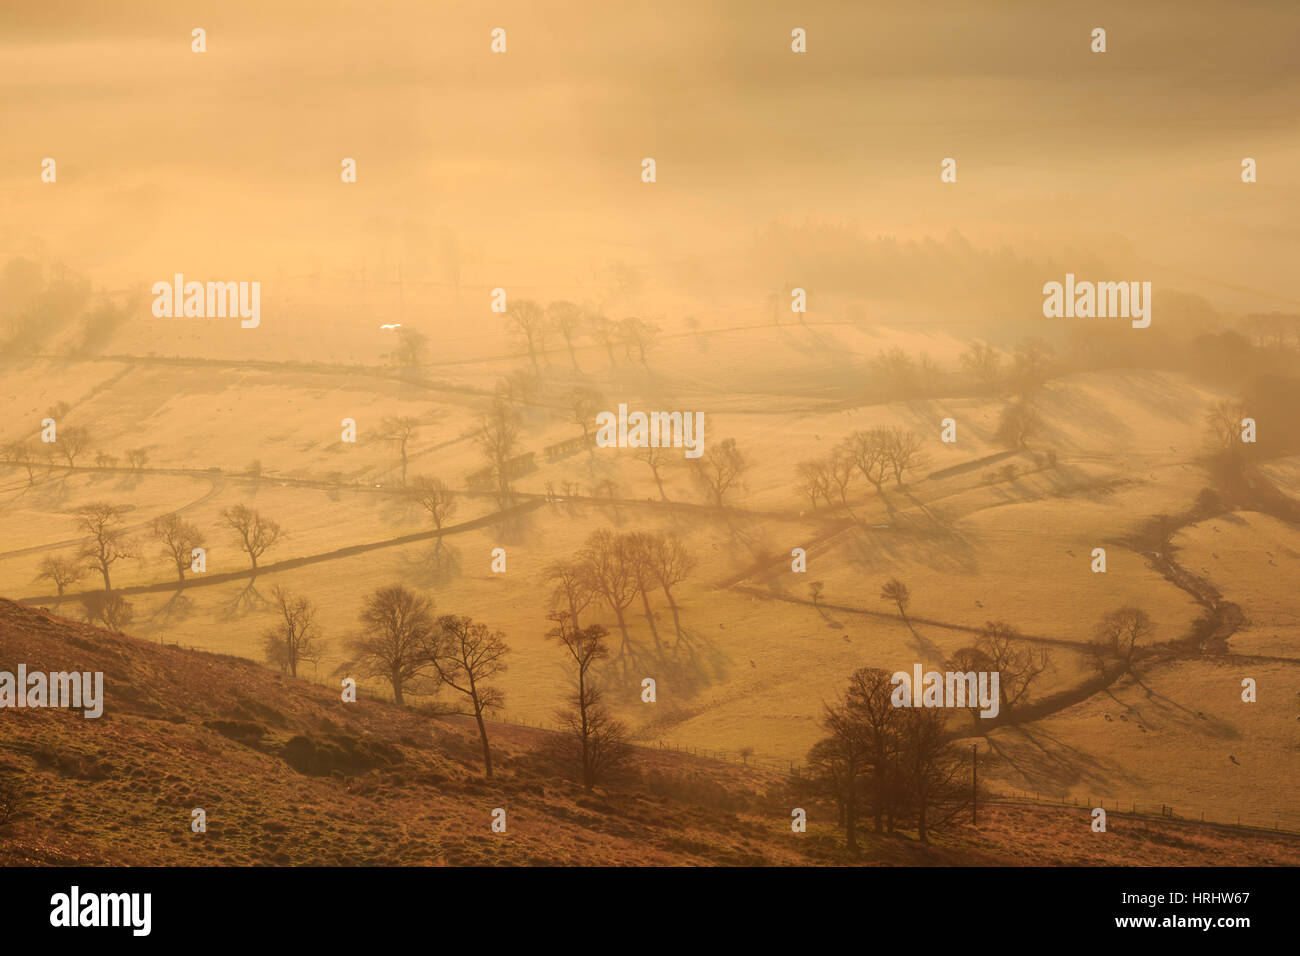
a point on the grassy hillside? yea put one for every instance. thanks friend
(288, 774)
(979, 531)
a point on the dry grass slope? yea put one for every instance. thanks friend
(288, 774)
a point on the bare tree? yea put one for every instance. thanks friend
(499, 438)
(574, 589)
(599, 741)
(49, 455)
(671, 563)
(965, 660)
(1019, 421)
(60, 571)
(639, 336)
(636, 547)
(838, 763)
(108, 542)
(1122, 629)
(896, 591)
(814, 480)
(903, 450)
(411, 348)
(606, 333)
(465, 656)
(295, 637)
(839, 467)
(656, 457)
(23, 454)
(530, 322)
(863, 726)
(104, 460)
(72, 442)
(928, 770)
(399, 430)
(434, 497)
(608, 567)
(566, 318)
(397, 629)
(1017, 666)
(826, 772)
(1224, 422)
(983, 361)
(898, 370)
(720, 469)
(869, 451)
(584, 404)
(179, 538)
(868, 704)
(254, 533)
(137, 458)
(895, 763)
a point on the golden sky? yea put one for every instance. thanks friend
(472, 164)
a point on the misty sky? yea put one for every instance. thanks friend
(475, 166)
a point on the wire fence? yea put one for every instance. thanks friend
(1277, 823)
(1163, 811)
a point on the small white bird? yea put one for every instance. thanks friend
(395, 325)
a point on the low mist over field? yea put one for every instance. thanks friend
(719, 434)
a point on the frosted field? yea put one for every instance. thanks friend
(1183, 724)
(754, 663)
(1254, 559)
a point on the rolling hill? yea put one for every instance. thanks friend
(290, 775)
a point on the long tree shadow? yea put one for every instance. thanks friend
(433, 567)
(130, 480)
(939, 549)
(517, 528)
(248, 601)
(1054, 766)
(693, 664)
(1184, 716)
(830, 621)
(574, 507)
(923, 645)
(176, 609)
(53, 493)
